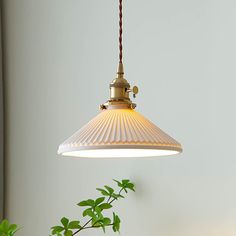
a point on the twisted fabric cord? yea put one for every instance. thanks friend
(120, 32)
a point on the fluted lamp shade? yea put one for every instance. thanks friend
(119, 132)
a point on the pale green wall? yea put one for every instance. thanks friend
(59, 59)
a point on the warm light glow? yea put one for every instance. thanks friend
(110, 153)
(119, 133)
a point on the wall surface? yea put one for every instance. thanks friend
(59, 58)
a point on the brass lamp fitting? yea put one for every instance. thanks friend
(119, 91)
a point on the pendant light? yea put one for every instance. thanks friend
(118, 130)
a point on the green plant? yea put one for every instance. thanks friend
(94, 211)
(7, 229)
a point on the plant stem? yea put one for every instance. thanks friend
(108, 199)
(88, 227)
(114, 198)
(83, 227)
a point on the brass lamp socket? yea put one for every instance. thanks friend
(119, 91)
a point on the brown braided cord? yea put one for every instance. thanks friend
(120, 32)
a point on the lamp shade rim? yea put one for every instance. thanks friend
(68, 150)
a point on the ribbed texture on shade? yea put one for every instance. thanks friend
(119, 129)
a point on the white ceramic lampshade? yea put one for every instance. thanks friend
(119, 132)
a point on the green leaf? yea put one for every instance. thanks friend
(68, 233)
(74, 225)
(105, 206)
(130, 186)
(4, 226)
(114, 228)
(99, 200)
(116, 223)
(125, 184)
(114, 196)
(103, 192)
(85, 212)
(125, 181)
(97, 209)
(64, 222)
(118, 183)
(95, 223)
(12, 228)
(88, 202)
(90, 213)
(91, 202)
(117, 219)
(109, 189)
(57, 229)
(106, 221)
(99, 215)
(83, 203)
(103, 228)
